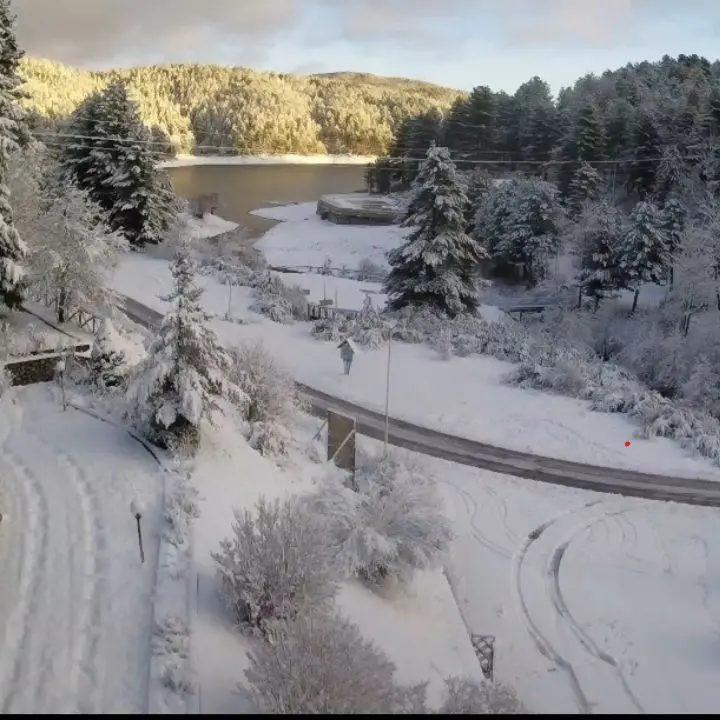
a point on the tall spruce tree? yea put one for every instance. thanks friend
(113, 160)
(14, 134)
(185, 372)
(644, 255)
(585, 187)
(600, 234)
(435, 265)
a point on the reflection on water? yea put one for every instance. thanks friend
(242, 188)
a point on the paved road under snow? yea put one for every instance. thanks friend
(75, 602)
(489, 457)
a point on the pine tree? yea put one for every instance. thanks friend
(434, 267)
(671, 174)
(585, 141)
(674, 221)
(537, 119)
(474, 123)
(185, 372)
(519, 224)
(116, 164)
(646, 141)
(585, 187)
(644, 249)
(14, 134)
(599, 243)
(479, 185)
(106, 362)
(710, 118)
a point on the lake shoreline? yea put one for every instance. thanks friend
(194, 160)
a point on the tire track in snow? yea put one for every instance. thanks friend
(471, 509)
(36, 551)
(561, 607)
(87, 670)
(542, 643)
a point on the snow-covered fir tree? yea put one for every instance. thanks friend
(585, 187)
(186, 371)
(674, 217)
(670, 175)
(115, 163)
(14, 133)
(106, 361)
(643, 249)
(519, 223)
(479, 184)
(598, 244)
(73, 252)
(435, 265)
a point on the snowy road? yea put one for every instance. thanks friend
(75, 602)
(489, 457)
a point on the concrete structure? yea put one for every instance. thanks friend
(357, 209)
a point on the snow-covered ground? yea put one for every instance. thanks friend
(598, 603)
(75, 601)
(421, 629)
(188, 160)
(302, 238)
(463, 396)
(613, 608)
(345, 293)
(205, 227)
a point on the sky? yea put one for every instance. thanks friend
(458, 43)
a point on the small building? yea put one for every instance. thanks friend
(357, 209)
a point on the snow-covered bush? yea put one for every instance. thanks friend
(322, 665)
(107, 360)
(172, 637)
(466, 696)
(275, 565)
(388, 524)
(181, 510)
(368, 270)
(271, 399)
(281, 303)
(5, 385)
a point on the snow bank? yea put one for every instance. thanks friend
(190, 160)
(206, 227)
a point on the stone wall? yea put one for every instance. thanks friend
(39, 369)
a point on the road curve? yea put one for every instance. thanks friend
(489, 457)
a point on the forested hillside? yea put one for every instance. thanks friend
(621, 122)
(207, 108)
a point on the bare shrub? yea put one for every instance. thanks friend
(466, 696)
(321, 665)
(275, 564)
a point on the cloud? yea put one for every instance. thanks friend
(95, 32)
(92, 32)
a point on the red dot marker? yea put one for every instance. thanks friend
(628, 443)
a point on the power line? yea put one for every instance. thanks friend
(63, 138)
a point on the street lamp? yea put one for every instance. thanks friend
(391, 328)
